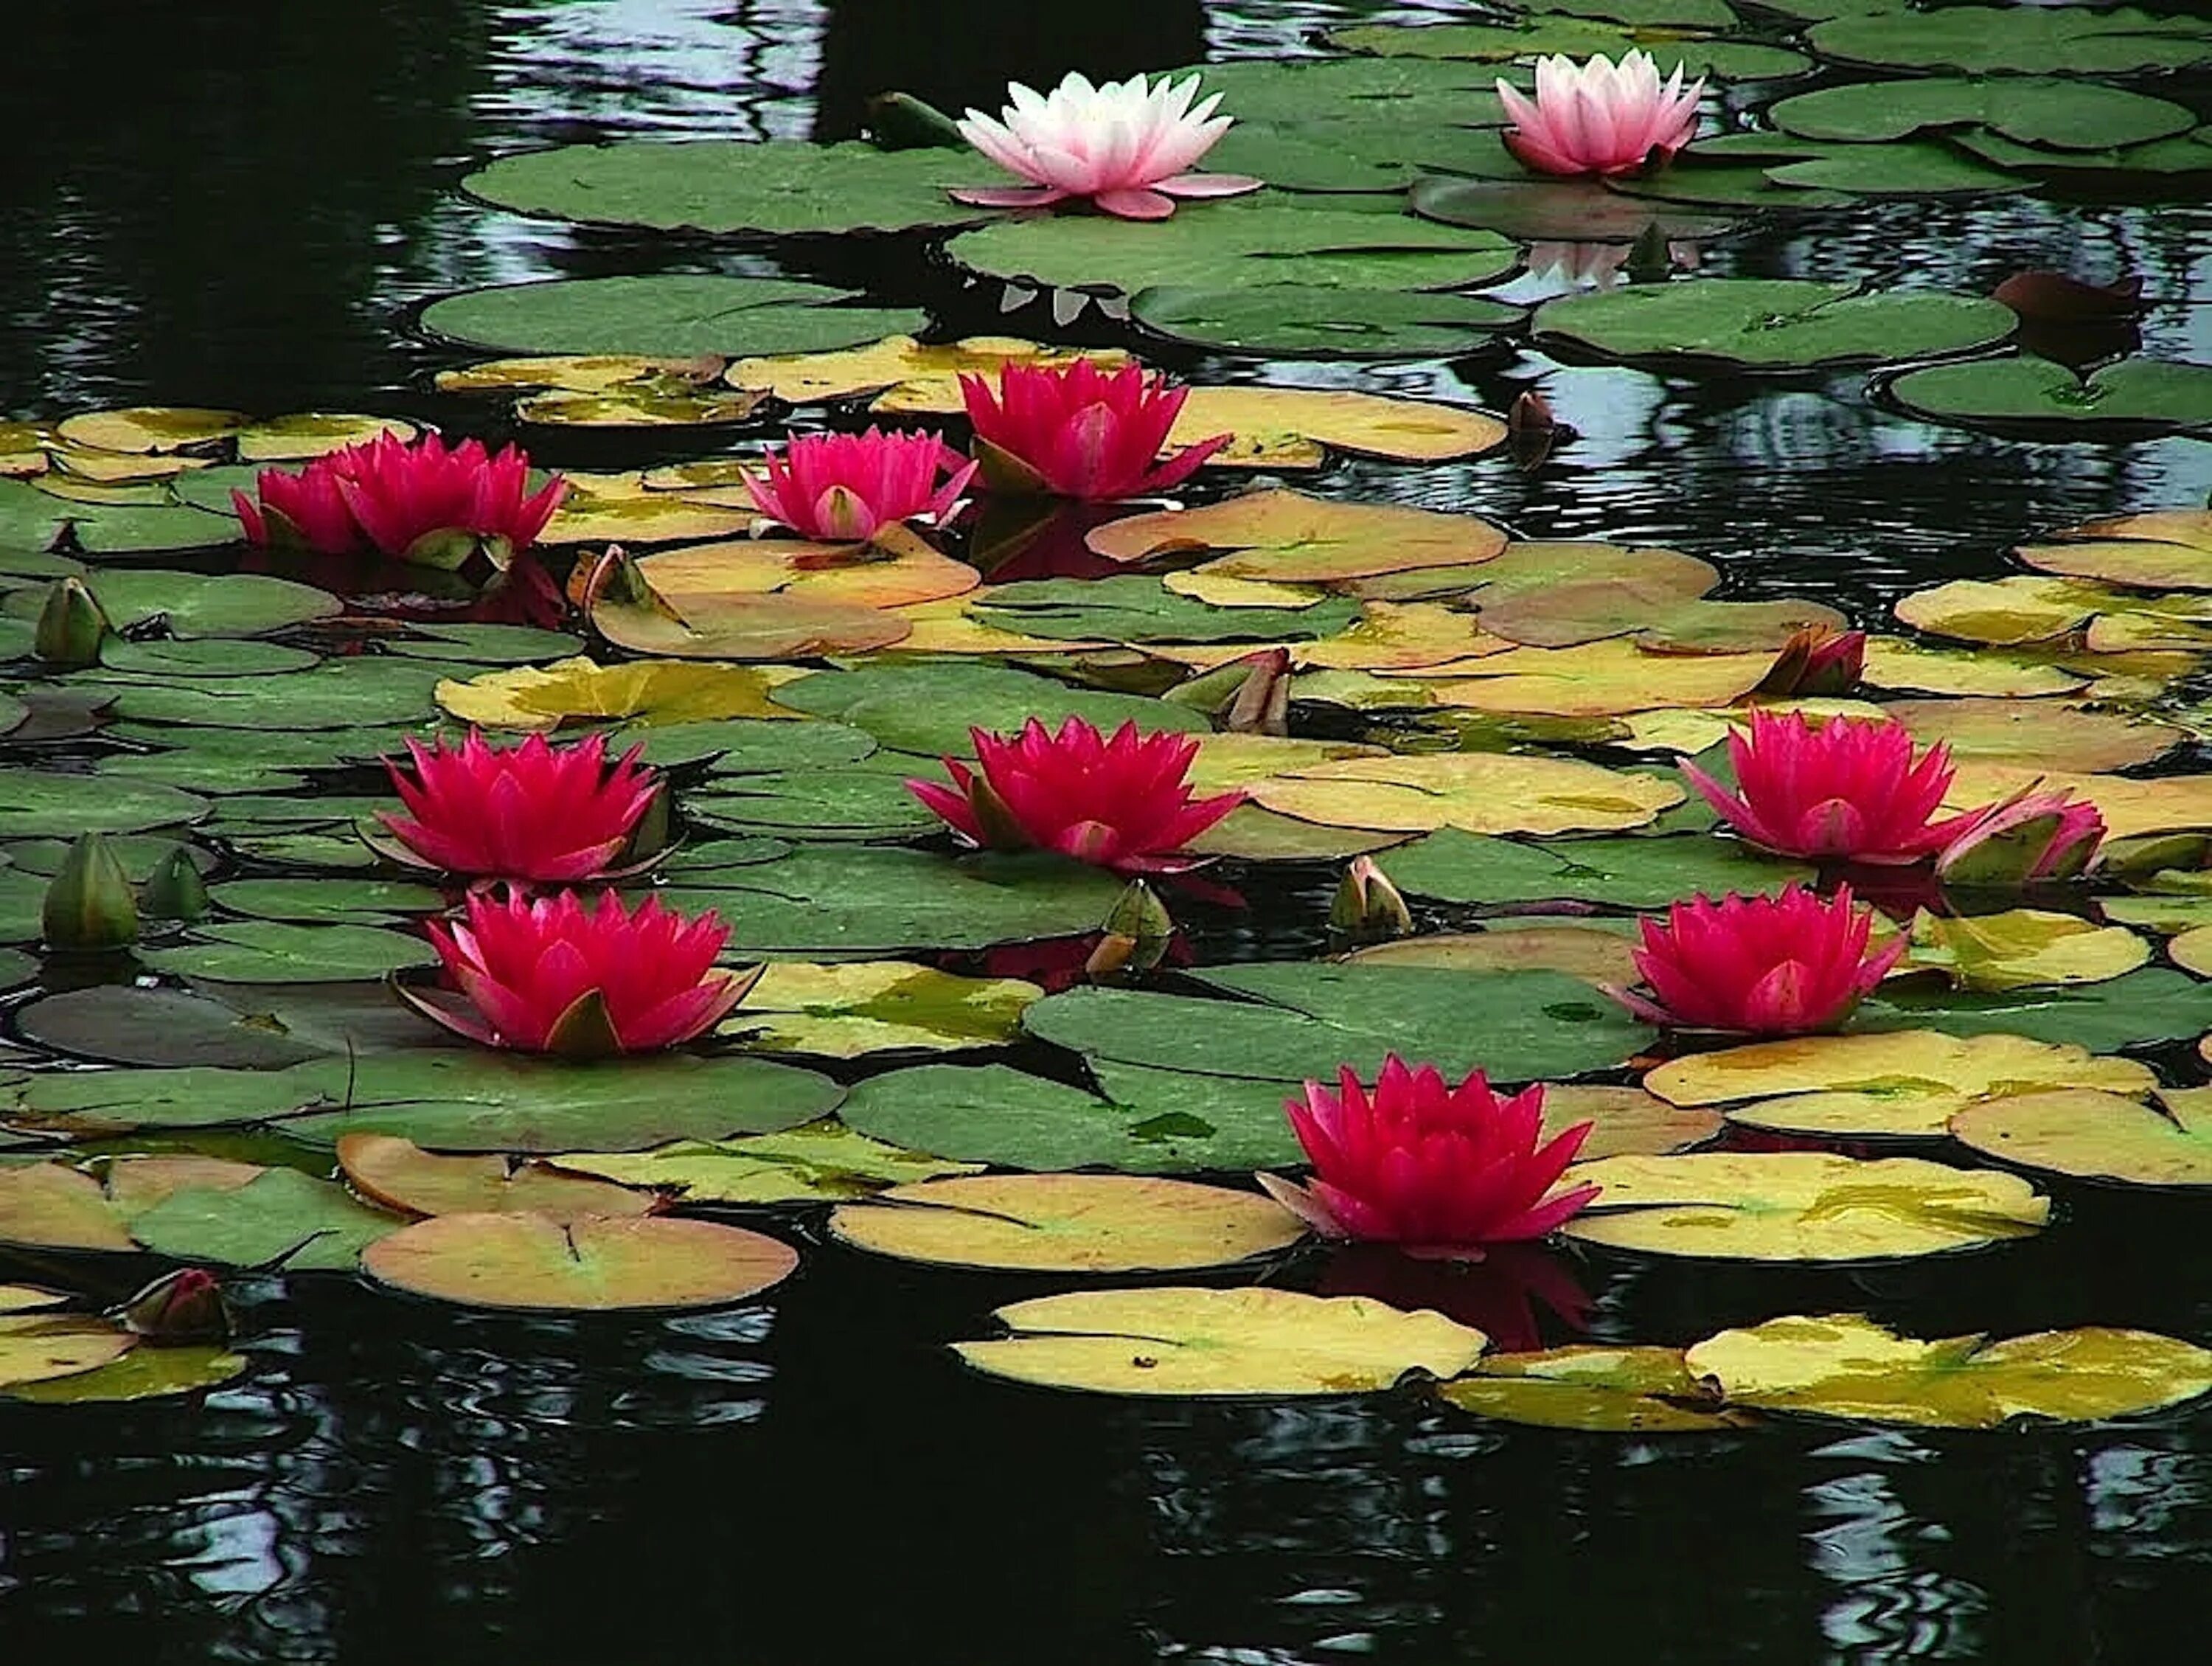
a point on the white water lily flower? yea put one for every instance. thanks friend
(1598, 118)
(1126, 146)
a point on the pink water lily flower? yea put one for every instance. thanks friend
(841, 488)
(1075, 430)
(553, 975)
(533, 813)
(1849, 790)
(1436, 1169)
(1122, 803)
(1785, 965)
(1598, 118)
(1124, 146)
(417, 500)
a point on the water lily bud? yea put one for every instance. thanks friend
(1649, 259)
(1137, 929)
(1262, 702)
(174, 890)
(185, 1306)
(1817, 661)
(72, 626)
(900, 121)
(89, 904)
(2031, 838)
(1367, 908)
(1531, 429)
(651, 835)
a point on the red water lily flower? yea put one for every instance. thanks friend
(1122, 803)
(1784, 965)
(1849, 790)
(554, 976)
(417, 500)
(1080, 432)
(840, 487)
(530, 814)
(1436, 1169)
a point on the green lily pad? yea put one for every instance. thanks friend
(1564, 210)
(1619, 1390)
(780, 186)
(50, 803)
(338, 694)
(747, 746)
(1314, 321)
(119, 1023)
(929, 708)
(201, 656)
(674, 315)
(2155, 1004)
(87, 1104)
(1910, 168)
(867, 900)
(822, 1160)
(486, 644)
(1577, 37)
(2134, 396)
(277, 951)
(282, 1219)
(197, 604)
(2159, 161)
(1715, 180)
(856, 1007)
(1305, 1020)
(1625, 872)
(2070, 115)
(1983, 39)
(1265, 238)
(1773, 324)
(1147, 1122)
(1132, 607)
(821, 803)
(358, 902)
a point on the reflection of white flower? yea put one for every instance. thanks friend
(1598, 265)
(1126, 146)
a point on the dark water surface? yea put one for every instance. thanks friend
(242, 204)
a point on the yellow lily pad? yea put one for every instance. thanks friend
(1689, 732)
(1904, 1064)
(400, 1175)
(1068, 1223)
(150, 428)
(2193, 950)
(23, 449)
(947, 627)
(143, 1373)
(1281, 427)
(1398, 637)
(1218, 590)
(2048, 734)
(642, 690)
(1609, 1390)
(825, 1160)
(1203, 1342)
(2098, 1136)
(1477, 793)
(1893, 663)
(595, 1265)
(1254, 834)
(52, 1206)
(1595, 679)
(2023, 947)
(29, 1299)
(121, 467)
(1229, 760)
(914, 379)
(600, 511)
(1800, 1206)
(856, 1007)
(1847, 1114)
(1589, 952)
(1626, 1121)
(1846, 1365)
(2164, 549)
(2130, 806)
(1287, 538)
(588, 372)
(2023, 609)
(313, 433)
(649, 405)
(37, 1348)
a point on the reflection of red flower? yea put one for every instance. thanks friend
(1039, 537)
(1053, 964)
(1497, 1295)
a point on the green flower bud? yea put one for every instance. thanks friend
(174, 890)
(89, 905)
(1367, 907)
(72, 626)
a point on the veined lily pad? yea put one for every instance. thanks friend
(821, 1160)
(672, 315)
(1800, 1206)
(523, 1260)
(1774, 324)
(1184, 1341)
(280, 1219)
(646, 692)
(400, 1175)
(1068, 1223)
(1844, 1365)
(1475, 793)
(1905, 1064)
(2100, 1136)
(2154, 1003)
(277, 951)
(1624, 1390)
(862, 1007)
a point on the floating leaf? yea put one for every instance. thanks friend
(2066, 114)
(1905, 1064)
(1637, 873)
(1612, 1390)
(1319, 321)
(1844, 1365)
(275, 951)
(929, 708)
(280, 1219)
(400, 1175)
(1594, 953)
(522, 1260)
(783, 186)
(119, 1024)
(54, 1207)
(1983, 40)
(652, 692)
(671, 316)
(2133, 395)
(143, 1373)
(1199, 1342)
(857, 1007)
(924, 378)
(2023, 948)
(1263, 419)
(149, 427)
(2147, 1005)
(1577, 36)
(825, 1160)
(1773, 324)
(1068, 1223)
(307, 435)
(1286, 538)
(2098, 1136)
(41, 1347)
(1800, 1206)
(1475, 793)
(2167, 550)
(50, 803)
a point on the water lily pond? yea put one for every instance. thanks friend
(761, 811)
